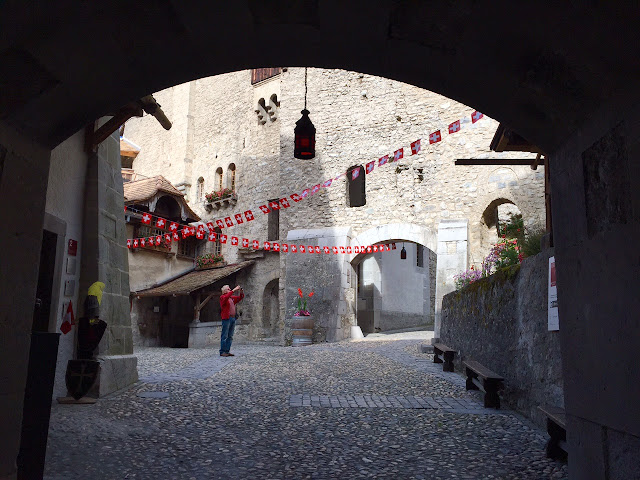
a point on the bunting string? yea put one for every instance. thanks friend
(178, 231)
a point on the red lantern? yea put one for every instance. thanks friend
(305, 137)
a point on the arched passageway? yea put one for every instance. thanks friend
(396, 291)
(271, 305)
(570, 88)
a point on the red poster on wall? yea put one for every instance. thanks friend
(73, 248)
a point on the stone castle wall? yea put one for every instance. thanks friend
(358, 118)
(501, 322)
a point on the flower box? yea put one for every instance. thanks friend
(217, 200)
(212, 265)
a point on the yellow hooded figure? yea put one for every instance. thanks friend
(96, 290)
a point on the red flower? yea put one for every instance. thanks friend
(311, 294)
(300, 292)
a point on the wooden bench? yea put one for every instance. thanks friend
(443, 354)
(557, 430)
(480, 377)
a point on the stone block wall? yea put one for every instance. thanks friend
(501, 322)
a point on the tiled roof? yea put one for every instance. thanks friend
(194, 280)
(141, 190)
(128, 148)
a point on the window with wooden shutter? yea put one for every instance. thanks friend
(260, 74)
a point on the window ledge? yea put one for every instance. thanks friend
(223, 202)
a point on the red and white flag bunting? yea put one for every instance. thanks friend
(227, 222)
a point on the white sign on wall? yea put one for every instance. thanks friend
(554, 323)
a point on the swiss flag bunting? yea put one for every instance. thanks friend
(383, 160)
(326, 250)
(176, 237)
(335, 250)
(475, 116)
(185, 232)
(239, 219)
(317, 249)
(327, 183)
(285, 203)
(435, 137)
(234, 241)
(267, 246)
(315, 188)
(274, 206)
(248, 215)
(454, 127)
(167, 238)
(192, 231)
(398, 154)
(355, 173)
(146, 219)
(264, 209)
(415, 147)
(212, 236)
(342, 250)
(143, 242)
(295, 197)
(210, 227)
(161, 223)
(220, 223)
(228, 221)
(349, 250)
(276, 247)
(173, 226)
(256, 244)
(305, 193)
(294, 249)
(129, 243)
(135, 243)
(301, 248)
(245, 243)
(375, 248)
(200, 234)
(370, 167)
(223, 238)
(284, 247)
(201, 228)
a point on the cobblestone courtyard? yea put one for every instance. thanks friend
(370, 409)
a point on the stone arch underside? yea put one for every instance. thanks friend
(563, 95)
(538, 91)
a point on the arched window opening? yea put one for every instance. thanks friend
(219, 178)
(217, 246)
(200, 189)
(356, 193)
(231, 177)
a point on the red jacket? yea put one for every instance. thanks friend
(224, 303)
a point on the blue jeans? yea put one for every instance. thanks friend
(228, 326)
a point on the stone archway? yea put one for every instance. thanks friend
(557, 93)
(393, 293)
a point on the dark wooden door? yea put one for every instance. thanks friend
(44, 291)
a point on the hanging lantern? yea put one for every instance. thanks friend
(305, 132)
(403, 253)
(305, 137)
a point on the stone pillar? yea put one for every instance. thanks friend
(595, 185)
(104, 258)
(453, 258)
(24, 172)
(328, 276)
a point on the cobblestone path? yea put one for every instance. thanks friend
(369, 409)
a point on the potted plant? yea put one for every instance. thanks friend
(302, 322)
(209, 260)
(217, 198)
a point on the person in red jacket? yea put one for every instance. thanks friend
(228, 315)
